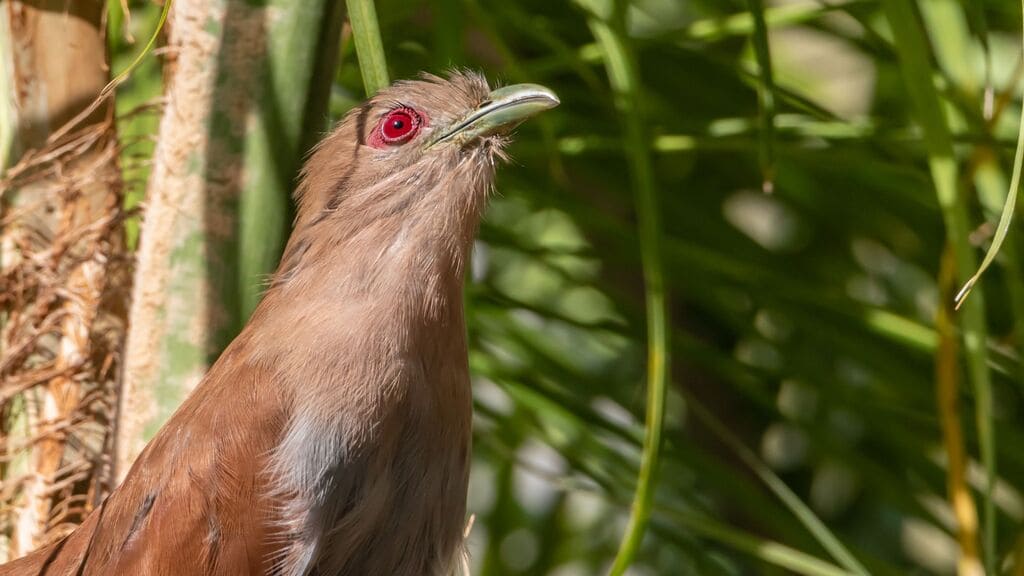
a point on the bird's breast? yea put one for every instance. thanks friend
(376, 476)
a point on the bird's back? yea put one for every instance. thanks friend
(205, 499)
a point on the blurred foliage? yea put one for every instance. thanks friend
(803, 321)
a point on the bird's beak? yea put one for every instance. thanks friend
(504, 109)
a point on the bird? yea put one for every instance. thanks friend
(332, 437)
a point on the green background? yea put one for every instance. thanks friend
(801, 418)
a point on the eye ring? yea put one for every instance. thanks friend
(400, 125)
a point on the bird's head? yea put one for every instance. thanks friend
(388, 206)
(419, 145)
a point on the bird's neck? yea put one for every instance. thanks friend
(397, 278)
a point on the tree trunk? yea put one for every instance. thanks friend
(62, 284)
(248, 87)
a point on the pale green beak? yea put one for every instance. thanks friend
(504, 109)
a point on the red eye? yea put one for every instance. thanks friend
(399, 126)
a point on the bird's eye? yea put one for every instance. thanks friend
(399, 126)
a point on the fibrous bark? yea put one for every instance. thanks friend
(62, 281)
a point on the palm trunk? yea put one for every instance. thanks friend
(248, 86)
(61, 253)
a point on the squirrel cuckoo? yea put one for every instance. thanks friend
(332, 436)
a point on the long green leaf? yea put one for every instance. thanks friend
(765, 96)
(1006, 218)
(369, 48)
(803, 513)
(622, 73)
(767, 551)
(666, 519)
(915, 62)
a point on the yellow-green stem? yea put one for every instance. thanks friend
(915, 63)
(622, 73)
(765, 96)
(369, 47)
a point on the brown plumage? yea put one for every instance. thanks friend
(332, 437)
